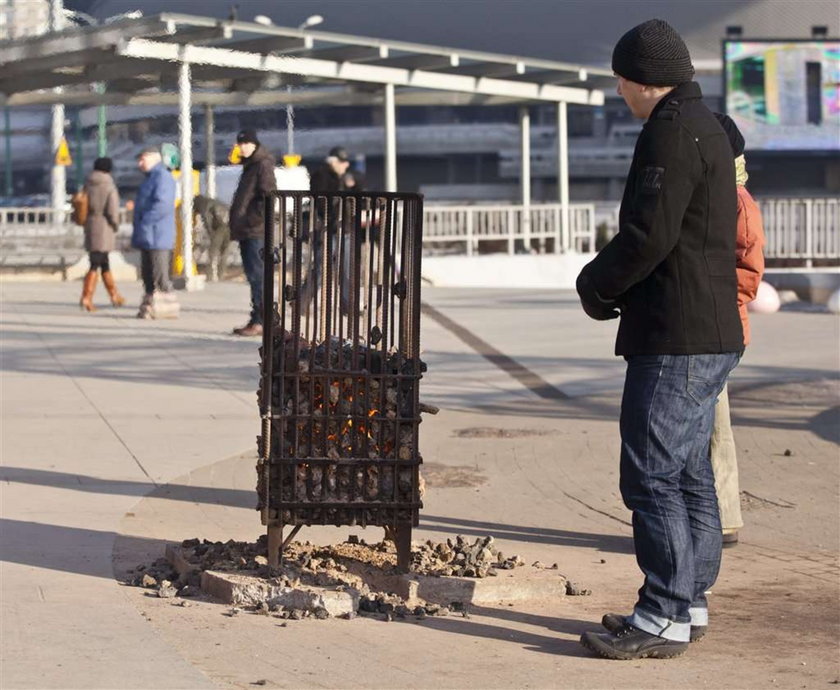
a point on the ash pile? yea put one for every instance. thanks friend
(364, 571)
(161, 577)
(327, 565)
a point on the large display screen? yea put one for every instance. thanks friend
(784, 95)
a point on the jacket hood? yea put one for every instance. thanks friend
(98, 177)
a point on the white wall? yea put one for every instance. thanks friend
(502, 270)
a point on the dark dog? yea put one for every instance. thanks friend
(214, 218)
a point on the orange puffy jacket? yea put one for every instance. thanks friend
(750, 255)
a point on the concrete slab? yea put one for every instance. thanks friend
(247, 590)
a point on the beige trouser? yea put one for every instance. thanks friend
(725, 466)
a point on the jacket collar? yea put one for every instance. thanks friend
(258, 153)
(684, 92)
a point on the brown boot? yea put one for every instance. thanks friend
(88, 288)
(117, 299)
(252, 329)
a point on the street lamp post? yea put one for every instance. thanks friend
(314, 20)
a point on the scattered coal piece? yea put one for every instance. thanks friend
(166, 590)
(573, 589)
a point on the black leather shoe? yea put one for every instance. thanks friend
(631, 643)
(614, 621)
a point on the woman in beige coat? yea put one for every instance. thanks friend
(100, 228)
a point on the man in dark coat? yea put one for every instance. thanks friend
(333, 175)
(247, 214)
(669, 274)
(330, 175)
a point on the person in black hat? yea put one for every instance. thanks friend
(749, 268)
(333, 175)
(330, 176)
(247, 214)
(669, 274)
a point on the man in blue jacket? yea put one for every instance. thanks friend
(154, 233)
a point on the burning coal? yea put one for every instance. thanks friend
(345, 428)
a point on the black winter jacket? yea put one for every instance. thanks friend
(671, 267)
(247, 210)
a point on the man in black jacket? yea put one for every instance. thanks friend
(330, 175)
(247, 213)
(669, 274)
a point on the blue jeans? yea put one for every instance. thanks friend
(252, 263)
(667, 414)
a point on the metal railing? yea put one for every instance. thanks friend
(796, 229)
(538, 227)
(804, 229)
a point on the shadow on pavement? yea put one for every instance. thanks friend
(70, 549)
(601, 542)
(549, 644)
(234, 498)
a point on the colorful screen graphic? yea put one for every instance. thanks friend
(784, 95)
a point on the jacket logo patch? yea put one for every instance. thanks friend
(652, 179)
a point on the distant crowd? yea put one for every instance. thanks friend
(96, 208)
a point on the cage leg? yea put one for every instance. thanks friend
(403, 542)
(275, 544)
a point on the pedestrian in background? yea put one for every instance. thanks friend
(154, 235)
(333, 175)
(330, 176)
(669, 274)
(101, 225)
(247, 220)
(749, 267)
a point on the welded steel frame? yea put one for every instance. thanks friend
(359, 297)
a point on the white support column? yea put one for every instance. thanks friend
(58, 177)
(210, 151)
(390, 139)
(563, 175)
(525, 173)
(185, 143)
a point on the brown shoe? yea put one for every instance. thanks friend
(252, 329)
(117, 299)
(88, 288)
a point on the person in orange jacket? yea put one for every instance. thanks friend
(750, 269)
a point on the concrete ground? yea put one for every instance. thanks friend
(119, 435)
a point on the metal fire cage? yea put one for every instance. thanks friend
(340, 366)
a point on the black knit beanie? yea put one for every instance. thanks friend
(654, 54)
(736, 139)
(103, 165)
(247, 136)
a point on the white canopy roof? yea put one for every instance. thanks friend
(245, 63)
